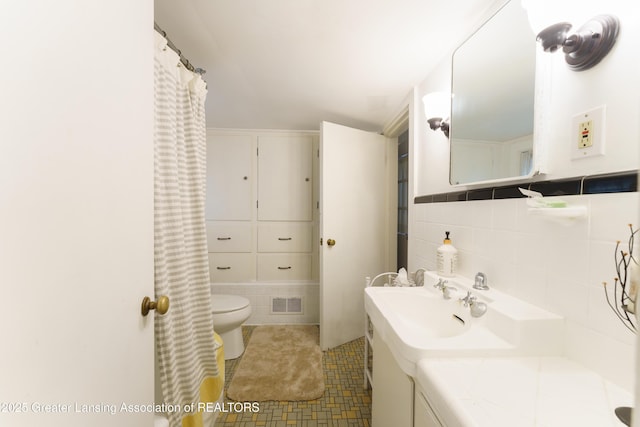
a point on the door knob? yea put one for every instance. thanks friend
(331, 242)
(161, 306)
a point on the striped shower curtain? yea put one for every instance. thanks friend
(186, 351)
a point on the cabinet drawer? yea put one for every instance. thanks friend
(284, 267)
(229, 236)
(284, 237)
(232, 267)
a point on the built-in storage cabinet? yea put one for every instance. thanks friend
(260, 206)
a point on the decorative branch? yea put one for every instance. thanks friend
(623, 302)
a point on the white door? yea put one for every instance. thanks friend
(76, 216)
(353, 206)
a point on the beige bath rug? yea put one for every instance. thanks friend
(279, 363)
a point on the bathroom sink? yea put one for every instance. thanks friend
(418, 322)
(422, 313)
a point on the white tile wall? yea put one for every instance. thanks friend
(259, 295)
(555, 266)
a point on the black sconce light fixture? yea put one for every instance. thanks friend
(585, 47)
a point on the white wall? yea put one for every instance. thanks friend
(557, 267)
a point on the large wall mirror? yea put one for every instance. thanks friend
(492, 113)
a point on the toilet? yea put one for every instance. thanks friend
(229, 313)
(160, 420)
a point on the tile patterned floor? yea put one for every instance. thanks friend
(344, 403)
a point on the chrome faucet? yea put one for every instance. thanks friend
(481, 282)
(468, 300)
(446, 290)
(440, 285)
(477, 308)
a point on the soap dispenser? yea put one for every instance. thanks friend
(447, 258)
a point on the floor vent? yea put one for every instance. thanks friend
(280, 305)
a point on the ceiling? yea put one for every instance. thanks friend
(290, 64)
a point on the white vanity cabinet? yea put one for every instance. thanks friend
(392, 389)
(424, 416)
(397, 400)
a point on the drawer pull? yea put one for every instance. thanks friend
(284, 238)
(223, 268)
(224, 238)
(284, 268)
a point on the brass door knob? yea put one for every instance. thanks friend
(331, 242)
(161, 306)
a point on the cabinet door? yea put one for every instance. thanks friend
(424, 415)
(285, 178)
(392, 394)
(229, 177)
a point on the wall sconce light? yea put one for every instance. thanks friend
(584, 48)
(436, 107)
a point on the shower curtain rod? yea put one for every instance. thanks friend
(173, 47)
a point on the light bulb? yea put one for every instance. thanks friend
(545, 13)
(437, 104)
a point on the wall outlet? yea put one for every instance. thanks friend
(585, 129)
(587, 133)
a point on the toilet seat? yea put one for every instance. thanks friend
(226, 303)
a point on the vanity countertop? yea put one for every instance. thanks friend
(523, 392)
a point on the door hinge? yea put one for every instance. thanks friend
(256, 204)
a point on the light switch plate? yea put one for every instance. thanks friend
(587, 133)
